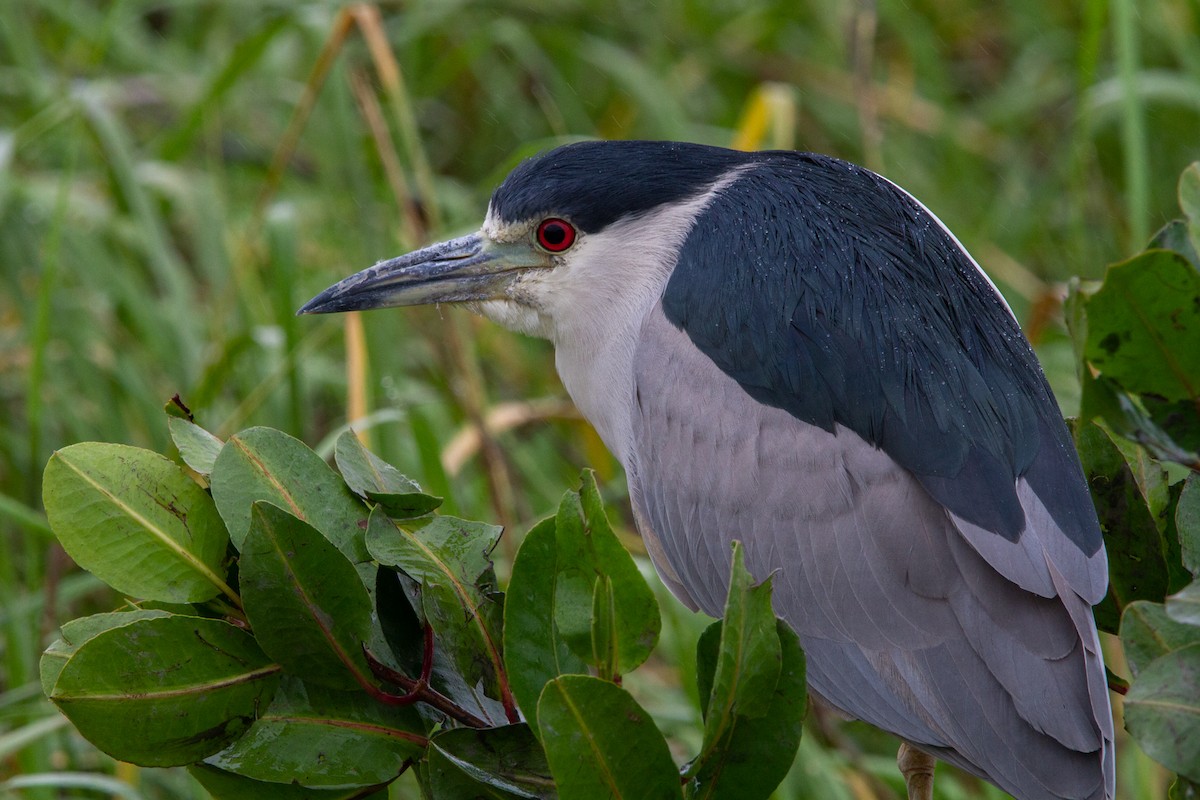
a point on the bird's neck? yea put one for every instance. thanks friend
(596, 313)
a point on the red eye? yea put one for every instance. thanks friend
(555, 235)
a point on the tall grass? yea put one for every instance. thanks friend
(175, 178)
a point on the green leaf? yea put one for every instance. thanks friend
(441, 549)
(601, 743)
(1144, 326)
(365, 472)
(165, 691)
(1189, 201)
(197, 447)
(321, 737)
(78, 631)
(1184, 606)
(266, 464)
(1176, 235)
(534, 650)
(405, 506)
(506, 762)
(1147, 632)
(1183, 789)
(1187, 523)
(587, 549)
(750, 654)
(1162, 710)
(449, 559)
(756, 753)
(136, 521)
(1137, 564)
(304, 600)
(604, 635)
(224, 785)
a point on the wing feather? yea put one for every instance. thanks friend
(906, 624)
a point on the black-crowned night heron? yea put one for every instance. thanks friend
(787, 349)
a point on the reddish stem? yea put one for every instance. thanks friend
(419, 689)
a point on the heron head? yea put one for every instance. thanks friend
(568, 233)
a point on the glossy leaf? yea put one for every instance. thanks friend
(1137, 566)
(601, 743)
(1162, 710)
(754, 754)
(586, 550)
(365, 472)
(224, 785)
(268, 465)
(323, 737)
(1147, 632)
(136, 521)
(505, 762)
(534, 650)
(165, 691)
(304, 599)
(78, 631)
(197, 447)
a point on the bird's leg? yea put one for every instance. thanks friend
(917, 769)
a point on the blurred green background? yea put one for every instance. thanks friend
(176, 178)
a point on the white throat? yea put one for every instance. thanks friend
(596, 304)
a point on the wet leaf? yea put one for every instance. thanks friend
(165, 691)
(136, 521)
(305, 600)
(323, 737)
(601, 743)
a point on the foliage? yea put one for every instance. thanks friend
(176, 178)
(1138, 336)
(305, 671)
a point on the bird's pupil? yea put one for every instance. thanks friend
(555, 235)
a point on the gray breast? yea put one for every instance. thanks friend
(904, 622)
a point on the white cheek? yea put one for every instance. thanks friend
(514, 316)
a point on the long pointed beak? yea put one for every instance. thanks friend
(467, 269)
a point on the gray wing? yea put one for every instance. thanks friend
(978, 650)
